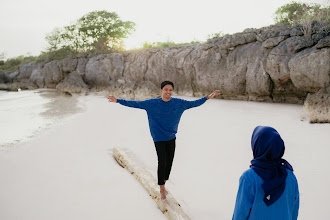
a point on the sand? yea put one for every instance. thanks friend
(67, 171)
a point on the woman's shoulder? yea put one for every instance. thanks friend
(292, 176)
(249, 172)
(251, 176)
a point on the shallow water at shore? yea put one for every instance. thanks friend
(23, 114)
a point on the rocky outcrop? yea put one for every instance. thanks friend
(317, 107)
(74, 83)
(103, 71)
(276, 63)
(309, 69)
(7, 78)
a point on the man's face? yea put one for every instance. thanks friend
(167, 91)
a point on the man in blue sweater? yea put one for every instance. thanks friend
(164, 116)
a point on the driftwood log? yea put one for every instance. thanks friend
(170, 207)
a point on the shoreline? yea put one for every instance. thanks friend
(26, 113)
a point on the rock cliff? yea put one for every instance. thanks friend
(276, 63)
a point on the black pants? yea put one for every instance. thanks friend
(165, 152)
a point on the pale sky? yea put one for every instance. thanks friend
(24, 24)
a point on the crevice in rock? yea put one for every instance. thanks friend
(271, 87)
(147, 65)
(191, 74)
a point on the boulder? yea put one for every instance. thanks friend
(277, 65)
(258, 82)
(24, 75)
(4, 78)
(25, 71)
(309, 69)
(51, 74)
(325, 42)
(67, 65)
(11, 77)
(37, 77)
(73, 84)
(81, 66)
(103, 70)
(168, 64)
(273, 42)
(317, 107)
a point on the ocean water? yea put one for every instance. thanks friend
(24, 114)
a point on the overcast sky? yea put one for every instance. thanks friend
(24, 24)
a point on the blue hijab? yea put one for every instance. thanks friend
(268, 149)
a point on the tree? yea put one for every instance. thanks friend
(2, 55)
(54, 39)
(290, 13)
(98, 30)
(102, 30)
(298, 13)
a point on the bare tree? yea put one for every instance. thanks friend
(2, 55)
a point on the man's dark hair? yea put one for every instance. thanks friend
(166, 83)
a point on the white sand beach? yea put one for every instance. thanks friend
(67, 171)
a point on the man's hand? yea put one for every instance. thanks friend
(216, 92)
(112, 99)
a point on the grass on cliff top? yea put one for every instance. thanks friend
(12, 64)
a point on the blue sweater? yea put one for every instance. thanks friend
(250, 204)
(164, 117)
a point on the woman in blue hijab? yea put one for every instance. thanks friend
(269, 189)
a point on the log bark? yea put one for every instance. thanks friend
(170, 207)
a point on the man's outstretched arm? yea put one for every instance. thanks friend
(198, 102)
(128, 103)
